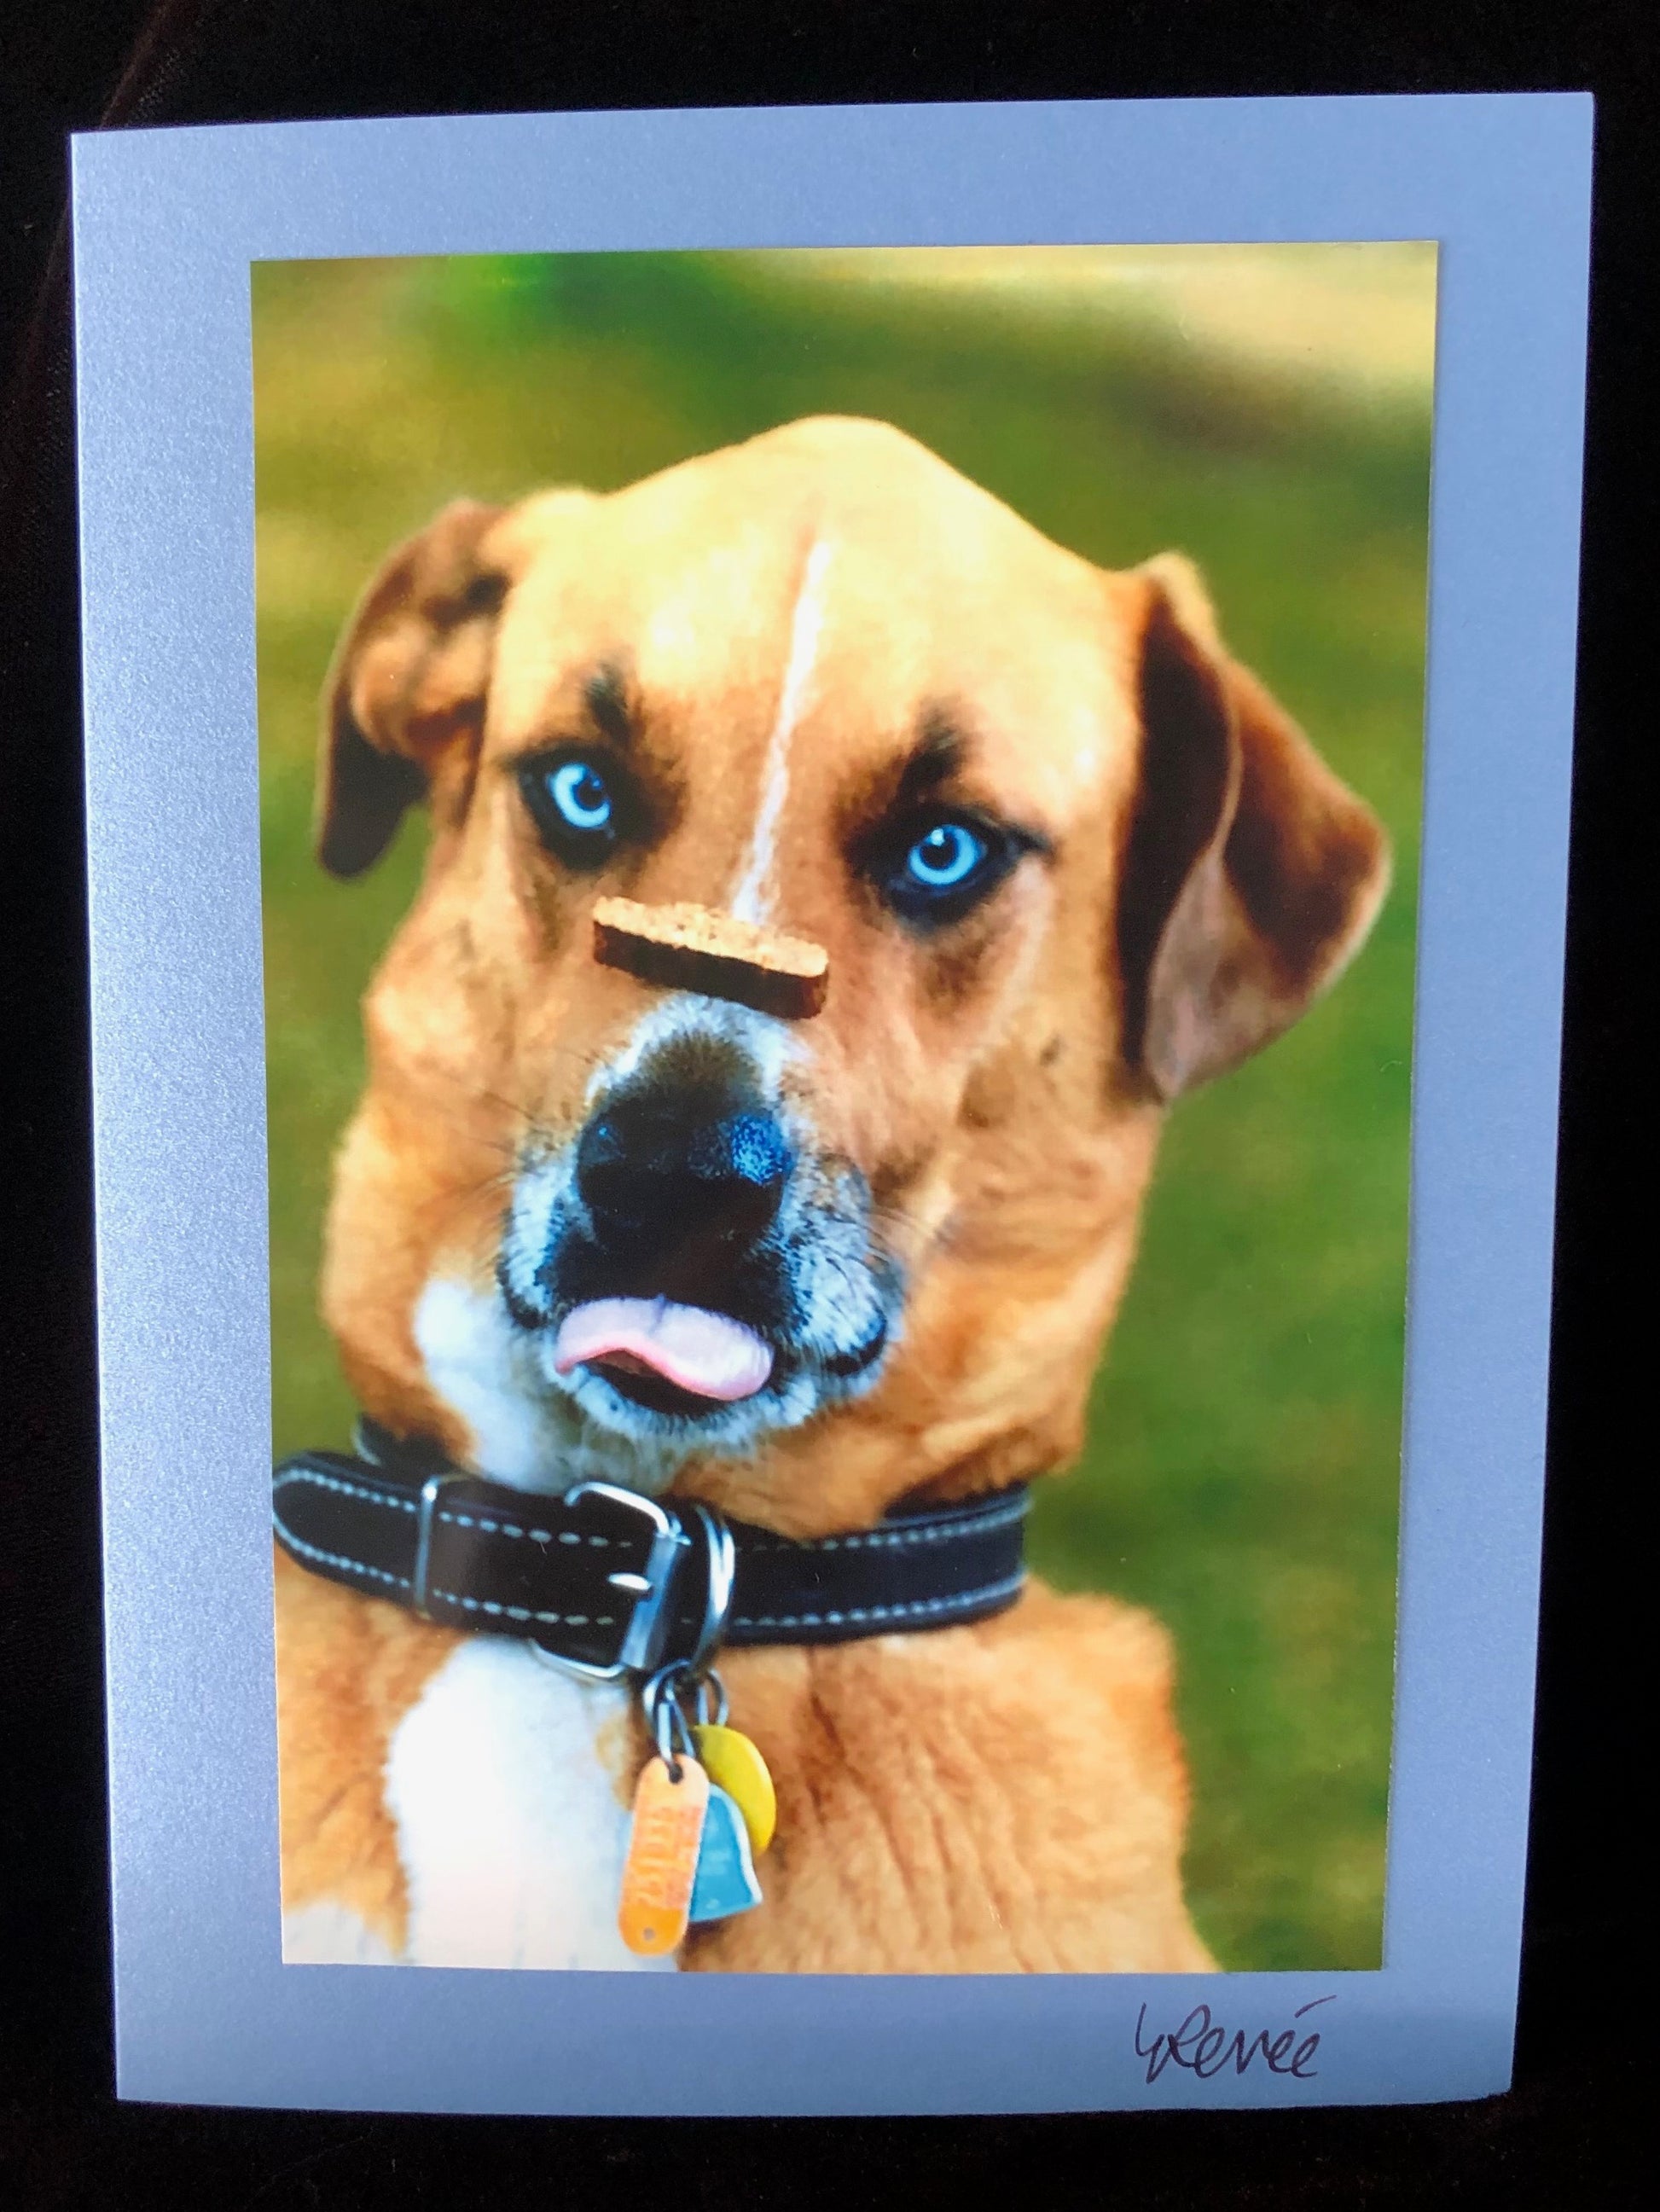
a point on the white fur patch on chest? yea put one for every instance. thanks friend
(510, 1828)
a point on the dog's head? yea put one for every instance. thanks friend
(1066, 858)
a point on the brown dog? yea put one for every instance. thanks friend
(1067, 860)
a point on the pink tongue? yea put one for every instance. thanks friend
(709, 1354)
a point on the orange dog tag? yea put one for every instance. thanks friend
(662, 1861)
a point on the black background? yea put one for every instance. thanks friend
(1571, 2125)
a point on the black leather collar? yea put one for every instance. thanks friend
(615, 1585)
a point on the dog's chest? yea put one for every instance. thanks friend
(504, 1784)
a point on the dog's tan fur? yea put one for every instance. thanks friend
(1009, 1796)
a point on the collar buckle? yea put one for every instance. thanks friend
(643, 1638)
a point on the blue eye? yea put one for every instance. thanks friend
(579, 791)
(582, 807)
(932, 872)
(946, 857)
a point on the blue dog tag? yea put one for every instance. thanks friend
(725, 1881)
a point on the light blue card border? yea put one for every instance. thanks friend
(166, 224)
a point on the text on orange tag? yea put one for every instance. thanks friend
(662, 1861)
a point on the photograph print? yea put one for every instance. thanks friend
(840, 843)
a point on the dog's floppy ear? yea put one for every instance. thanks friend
(1251, 874)
(404, 696)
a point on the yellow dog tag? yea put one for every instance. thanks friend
(662, 1861)
(736, 1766)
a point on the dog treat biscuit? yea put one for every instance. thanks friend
(692, 948)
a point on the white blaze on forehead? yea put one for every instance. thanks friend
(748, 902)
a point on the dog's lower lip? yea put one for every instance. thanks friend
(642, 1386)
(844, 1366)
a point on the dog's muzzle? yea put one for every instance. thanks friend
(672, 1291)
(692, 1253)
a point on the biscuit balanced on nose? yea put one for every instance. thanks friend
(692, 948)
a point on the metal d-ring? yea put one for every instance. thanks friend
(709, 1686)
(721, 1558)
(664, 1717)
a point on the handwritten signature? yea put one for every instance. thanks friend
(1204, 2049)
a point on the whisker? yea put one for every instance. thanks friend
(530, 1122)
(453, 1202)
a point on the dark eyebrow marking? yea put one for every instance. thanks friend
(938, 755)
(944, 749)
(605, 696)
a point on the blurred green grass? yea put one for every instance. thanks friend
(1242, 1471)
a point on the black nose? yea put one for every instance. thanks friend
(659, 1173)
